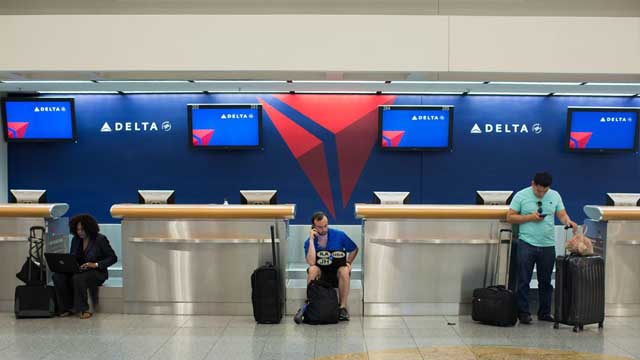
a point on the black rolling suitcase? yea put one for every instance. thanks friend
(495, 305)
(35, 299)
(266, 290)
(579, 296)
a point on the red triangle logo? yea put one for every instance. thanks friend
(308, 151)
(16, 130)
(335, 112)
(202, 137)
(391, 138)
(580, 139)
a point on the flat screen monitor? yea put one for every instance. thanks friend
(21, 196)
(156, 197)
(427, 128)
(494, 197)
(258, 197)
(38, 119)
(623, 199)
(391, 197)
(225, 126)
(602, 129)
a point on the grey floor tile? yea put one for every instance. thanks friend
(419, 322)
(391, 332)
(246, 331)
(244, 321)
(383, 323)
(303, 346)
(433, 332)
(383, 343)
(158, 321)
(286, 356)
(184, 348)
(199, 332)
(207, 321)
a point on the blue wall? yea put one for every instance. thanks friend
(104, 168)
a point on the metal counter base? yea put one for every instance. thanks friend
(429, 266)
(194, 266)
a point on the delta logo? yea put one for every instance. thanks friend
(135, 126)
(330, 136)
(579, 139)
(616, 119)
(16, 130)
(236, 116)
(202, 137)
(39, 109)
(506, 128)
(427, 117)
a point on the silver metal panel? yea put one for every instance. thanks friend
(622, 265)
(14, 253)
(185, 266)
(430, 266)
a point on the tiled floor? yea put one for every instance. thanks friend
(114, 336)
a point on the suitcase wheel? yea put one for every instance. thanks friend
(600, 325)
(575, 329)
(556, 326)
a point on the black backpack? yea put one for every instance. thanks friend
(323, 303)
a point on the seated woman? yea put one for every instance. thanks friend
(95, 255)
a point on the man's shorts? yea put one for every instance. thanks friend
(330, 275)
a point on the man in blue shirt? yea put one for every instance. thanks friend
(534, 209)
(330, 239)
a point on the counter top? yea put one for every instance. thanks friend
(200, 211)
(603, 213)
(34, 210)
(369, 211)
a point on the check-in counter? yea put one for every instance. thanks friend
(427, 259)
(197, 259)
(615, 231)
(15, 222)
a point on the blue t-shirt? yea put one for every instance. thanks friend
(541, 234)
(337, 240)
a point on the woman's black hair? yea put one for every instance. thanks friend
(89, 225)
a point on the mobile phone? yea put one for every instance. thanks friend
(542, 215)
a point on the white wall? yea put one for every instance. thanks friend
(374, 43)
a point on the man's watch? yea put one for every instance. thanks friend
(96, 265)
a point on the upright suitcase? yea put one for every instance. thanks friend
(579, 297)
(495, 305)
(35, 299)
(266, 290)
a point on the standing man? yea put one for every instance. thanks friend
(534, 209)
(324, 238)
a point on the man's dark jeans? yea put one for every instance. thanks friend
(544, 259)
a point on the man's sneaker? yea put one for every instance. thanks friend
(524, 318)
(343, 314)
(299, 314)
(546, 317)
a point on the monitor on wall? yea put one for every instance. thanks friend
(225, 126)
(21, 196)
(38, 119)
(420, 128)
(592, 129)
